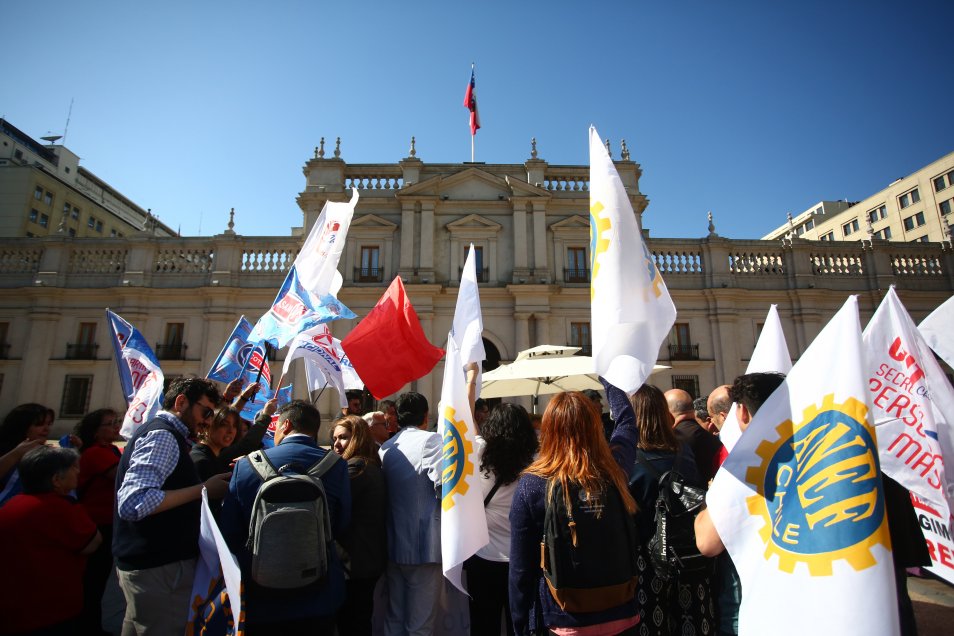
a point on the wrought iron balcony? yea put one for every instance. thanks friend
(572, 275)
(368, 274)
(683, 352)
(84, 351)
(171, 351)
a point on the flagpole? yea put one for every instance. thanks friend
(472, 148)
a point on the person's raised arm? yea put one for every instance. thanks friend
(707, 537)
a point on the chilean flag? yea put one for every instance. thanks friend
(470, 103)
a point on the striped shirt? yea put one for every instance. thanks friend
(153, 460)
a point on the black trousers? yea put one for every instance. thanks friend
(354, 617)
(487, 584)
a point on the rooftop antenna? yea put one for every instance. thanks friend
(68, 115)
(51, 138)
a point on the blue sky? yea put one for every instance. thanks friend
(748, 109)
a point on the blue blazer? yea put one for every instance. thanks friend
(237, 513)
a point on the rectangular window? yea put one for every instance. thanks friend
(99, 226)
(71, 232)
(681, 347)
(34, 215)
(688, 383)
(172, 347)
(91, 222)
(4, 345)
(479, 263)
(66, 209)
(85, 346)
(44, 220)
(809, 224)
(884, 234)
(850, 228)
(909, 198)
(944, 181)
(913, 221)
(370, 271)
(112, 233)
(947, 206)
(830, 236)
(49, 198)
(578, 268)
(580, 337)
(38, 193)
(75, 214)
(877, 214)
(76, 390)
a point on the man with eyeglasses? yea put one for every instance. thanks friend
(156, 519)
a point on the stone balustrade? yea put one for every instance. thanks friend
(261, 262)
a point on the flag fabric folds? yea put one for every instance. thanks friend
(325, 362)
(912, 405)
(217, 583)
(799, 502)
(632, 312)
(468, 325)
(936, 329)
(463, 522)
(470, 103)
(390, 329)
(140, 375)
(770, 356)
(307, 297)
(243, 358)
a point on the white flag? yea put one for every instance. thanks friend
(325, 362)
(913, 405)
(468, 322)
(799, 504)
(317, 262)
(938, 331)
(632, 312)
(463, 522)
(770, 356)
(216, 605)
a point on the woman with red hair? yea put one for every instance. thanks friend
(576, 465)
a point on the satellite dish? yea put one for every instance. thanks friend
(52, 138)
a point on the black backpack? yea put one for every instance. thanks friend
(588, 553)
(672, 548)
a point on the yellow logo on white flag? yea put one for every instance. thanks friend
(457, 463)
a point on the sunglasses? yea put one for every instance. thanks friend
(207, 412)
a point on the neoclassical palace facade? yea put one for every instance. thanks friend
(529, 223)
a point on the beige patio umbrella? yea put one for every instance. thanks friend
(543, 370)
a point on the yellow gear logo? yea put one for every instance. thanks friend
(456, 461)
(598, 244)
(819, 490)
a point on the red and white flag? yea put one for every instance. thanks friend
(470, 103)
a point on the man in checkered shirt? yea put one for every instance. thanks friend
(156, 520)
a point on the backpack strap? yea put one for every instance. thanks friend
(493, 491)
(262, 466)
(323, 465)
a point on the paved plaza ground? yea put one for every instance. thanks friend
(933, 606)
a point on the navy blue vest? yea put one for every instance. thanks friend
(165, 537)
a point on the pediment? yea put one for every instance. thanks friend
(472, 184)
(371, 222)
(573, 225)
(473, 224)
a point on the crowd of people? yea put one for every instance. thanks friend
(73, 517)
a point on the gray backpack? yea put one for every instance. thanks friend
(289, 535)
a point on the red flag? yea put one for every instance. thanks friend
(388, 348)
(470, 102)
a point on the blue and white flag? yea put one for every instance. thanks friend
(140, 375)
(463, 521)
(325, 362)
(284, 396)
(217, 584)
(245, 359)
(632, 312)
(307, 297)
(799, 503)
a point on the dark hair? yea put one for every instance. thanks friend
(510, 440)
(220, 419)
(480, 403)
(304, 417)
(653, 419)
(15, 424)
(594, 395)
(384, 404)
(193, 388)
(354, 394)
(752, 389)
(39, 466)
(702, 411)
(411, 409)
(86, 428)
